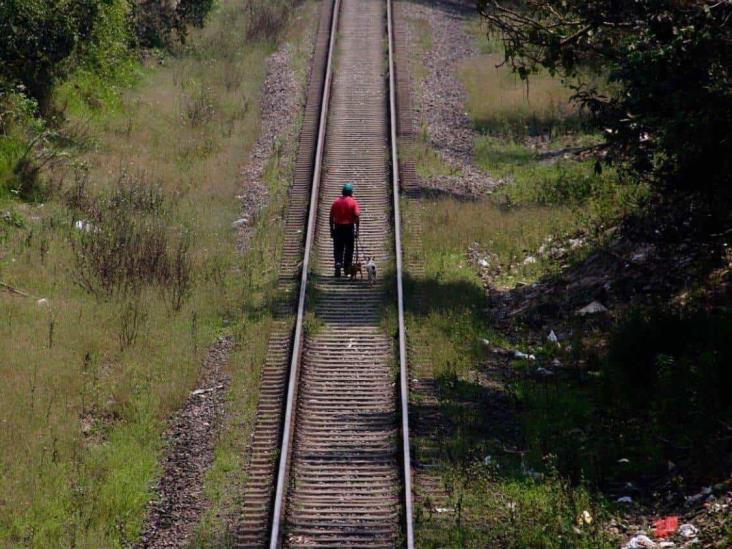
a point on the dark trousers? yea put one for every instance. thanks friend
(343, 238)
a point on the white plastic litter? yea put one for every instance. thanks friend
(688, 531)
(43, 302)
(593, 308)
(83, 226)
(640, 542)
(624, 499)
(584, 518)
(553, 337)
(523, 356)
(483, 263)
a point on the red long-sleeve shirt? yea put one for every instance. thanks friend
(345, 211)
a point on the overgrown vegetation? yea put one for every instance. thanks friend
(658, 396)
(665, 110)
(630, 406)
(121, 249)
(498, 494)
(126, 241)
(60, 57)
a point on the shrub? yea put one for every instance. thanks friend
(197, 105)
(676, 367)
(662, 395)
(267, 18)
(666, 109)
(157, 23)
(195, 11)
(124, 241)
(37, 38)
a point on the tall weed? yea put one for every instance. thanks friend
(267, 18)
(124, 241)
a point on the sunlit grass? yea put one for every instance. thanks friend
(501, 104)
(82, 414)
(428, 163)
(496, 497)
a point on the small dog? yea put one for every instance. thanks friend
(353, 270)
(371, 270)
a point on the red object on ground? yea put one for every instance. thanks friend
(345, 210)
(665, 527)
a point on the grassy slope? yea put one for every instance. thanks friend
(504, 503)
(225, 482)
(639, 393)
(82, 413)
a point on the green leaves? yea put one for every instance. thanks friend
(38, 37)
(670, 65)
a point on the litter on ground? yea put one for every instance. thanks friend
(664, 527)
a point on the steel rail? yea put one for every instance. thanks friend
(403, 371)
(297, 341)
(297, 350)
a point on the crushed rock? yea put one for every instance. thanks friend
(191, 435)
(441, 99)
(281, 102)
(190, 441)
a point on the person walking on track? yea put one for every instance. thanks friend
(345, 216)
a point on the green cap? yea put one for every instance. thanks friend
(347, 189)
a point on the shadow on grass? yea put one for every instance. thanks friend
(435, 193)
(474, 417)
(645, 382)
(427, 295)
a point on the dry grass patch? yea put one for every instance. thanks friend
(499, 103)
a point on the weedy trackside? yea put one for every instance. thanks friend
(92, 373)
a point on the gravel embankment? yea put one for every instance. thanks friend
(191, 436)
(440, 99)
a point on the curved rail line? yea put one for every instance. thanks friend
(343, 474)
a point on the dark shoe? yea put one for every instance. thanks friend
(338, 271)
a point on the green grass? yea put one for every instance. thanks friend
(523, 497)
(83, 413)
(663, 376)
(489, 510)
(499, 103)
(422, 44)
(224, 483)
(225, 480)
(642, 389)
(508, 233)
(508, 506)
(485, 42)
(429, 163)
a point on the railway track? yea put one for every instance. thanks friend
(330, 463)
